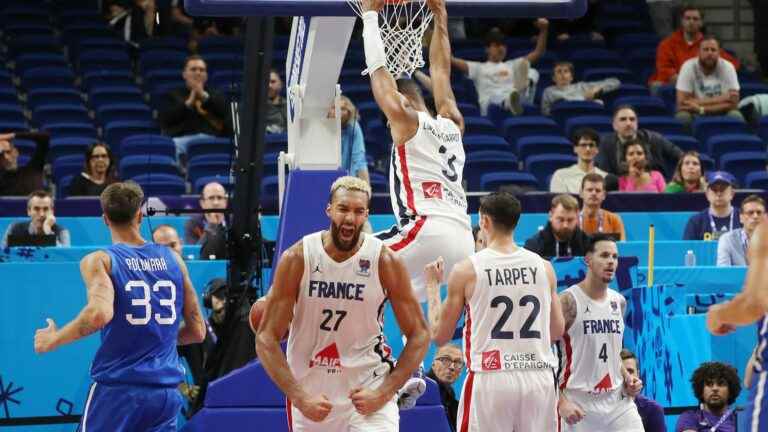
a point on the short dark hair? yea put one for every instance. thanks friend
(89, 155)
(597, 238)
(503, 209)
(495, 36)
(567, 64)
(711, 37)
(627, 354)
(568, 202)
(753, 198)
(688, 7)
(711, 371)
(623, 107)
(39, 194)
(585, 132)
(192, 58)
(121, 201)
(592, 178)
(161, 226)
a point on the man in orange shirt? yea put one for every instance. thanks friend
(680, 46)
(592, 218)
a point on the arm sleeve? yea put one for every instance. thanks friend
(556, 184)
(547, 99)
(607, 85)
(473, 69)
(43, 141)
(731, 78)
(723, 252)
(685, 79)
(358, 163)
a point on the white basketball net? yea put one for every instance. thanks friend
(402, 26)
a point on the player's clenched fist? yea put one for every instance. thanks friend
(315, 408)
(570, 412)
(367, 401)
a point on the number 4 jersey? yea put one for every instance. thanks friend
(507, 317)
(338, 319)
(138, 346)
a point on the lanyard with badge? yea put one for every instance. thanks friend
(715, 233)
(557, 249)
(599, 220)
(704, 422)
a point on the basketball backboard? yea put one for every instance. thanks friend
(465, 8)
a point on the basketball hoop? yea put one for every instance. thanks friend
(402, 25)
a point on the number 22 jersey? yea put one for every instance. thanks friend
(138, 346)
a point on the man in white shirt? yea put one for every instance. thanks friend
(585, 145)
(707, 85)
(505, 83)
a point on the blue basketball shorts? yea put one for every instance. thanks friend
(119, 407)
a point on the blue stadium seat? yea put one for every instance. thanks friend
(220, 45)
(662, 124)
(600, 123)
(742, 163)
(53, 95)
(669, 95)
(146, 144)
(685, 142)
(597, 74)
(62, 186)
(8, 95)
(594, 58)
(276, 142)
(750, 89)
(131, 166)
(578, 41)
(158, 97)
(60, 113)
(161, 59)
(481, 162)
(474, 143)
(68, 146)
(358, 93)
(208, 146)
(12, 113)
(225, 62)
(48, 77)
(517, 127)
(67, 166)
(104, 59)
(25, 62)
(757, 179)
(543, 165)
(479, 126)
(269, 164)
(25, 146)
(225, 181)
(717, 145)
(540, 144)
(63, 130)
(367, 112)
(79, 30)
(709, 126)
(161, 184)
(111, 44)
(99, 96)
(104, 78)
(468, 109)
(34, 44)
(707, 163)
(644, 105)
(115, 132)
(23, 29)
(624, 90)
(492, 181)
(128, 112)
(224, 78)
(208, 165)
(563, 110)
(173, 43)
(13, 126)
(631, 41)
(269, 191)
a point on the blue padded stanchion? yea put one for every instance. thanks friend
(303, 211)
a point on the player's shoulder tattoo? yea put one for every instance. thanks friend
(568, 304)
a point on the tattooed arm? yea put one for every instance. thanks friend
(95, 268)
(568, 303)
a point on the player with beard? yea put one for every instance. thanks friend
(593, 381)
(638, 175)
(330, 288)
(716, 386)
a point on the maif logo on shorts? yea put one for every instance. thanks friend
(432, 189)
(491, 360)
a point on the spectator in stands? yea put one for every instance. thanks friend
(277, 115)
(16, 180)
(661, 155)
(477, 233)
(167, 235)
(214, 196)
(720, 217)
(680, 46)
(446, 368)
(732, 246)
(650, 411)
(663, 14)
(638, 176)
(561, 237)
(716, 385)
(565, 89)
(41, 229)
(585, 145)
(688, 175)
(592, 217)
(133, 20)
(195, 111)
(352, 141)
(707, 85)
(504, 83)
(98, 172)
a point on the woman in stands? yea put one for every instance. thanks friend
(638, 177)
(98, 172)
(688, 175)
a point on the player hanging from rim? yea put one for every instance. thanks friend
(427, 160)
(593, 381)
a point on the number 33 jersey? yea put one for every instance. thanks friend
(338, 319)
(138, 346)
(506, 326)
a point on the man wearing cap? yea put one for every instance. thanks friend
(732, 246)
(720, 217)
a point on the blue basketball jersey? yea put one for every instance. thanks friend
(761, 356)
(139, 345)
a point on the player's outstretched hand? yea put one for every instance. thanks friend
(44, 337)
(570, 412)
(367, 401)
(315, 408)
(371, 5)
(433, 272)
(436, 6)
(633, 386)
(714, 325)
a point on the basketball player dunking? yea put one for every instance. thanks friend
(137, 294)
(512, 318)
(596, 389)
(748, 307)
(331, 288)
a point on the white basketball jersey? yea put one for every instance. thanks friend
(590, 350)
(425, 178)
(506, 326)
(338, 317)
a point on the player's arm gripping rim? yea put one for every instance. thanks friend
(192, 330)
(403, 121)
(397, 284)
(752, 302)
(440, 65)
(443, 317)
(274, 324)
(97, 313)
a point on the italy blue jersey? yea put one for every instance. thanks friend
(761, 356)
(139, 345)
